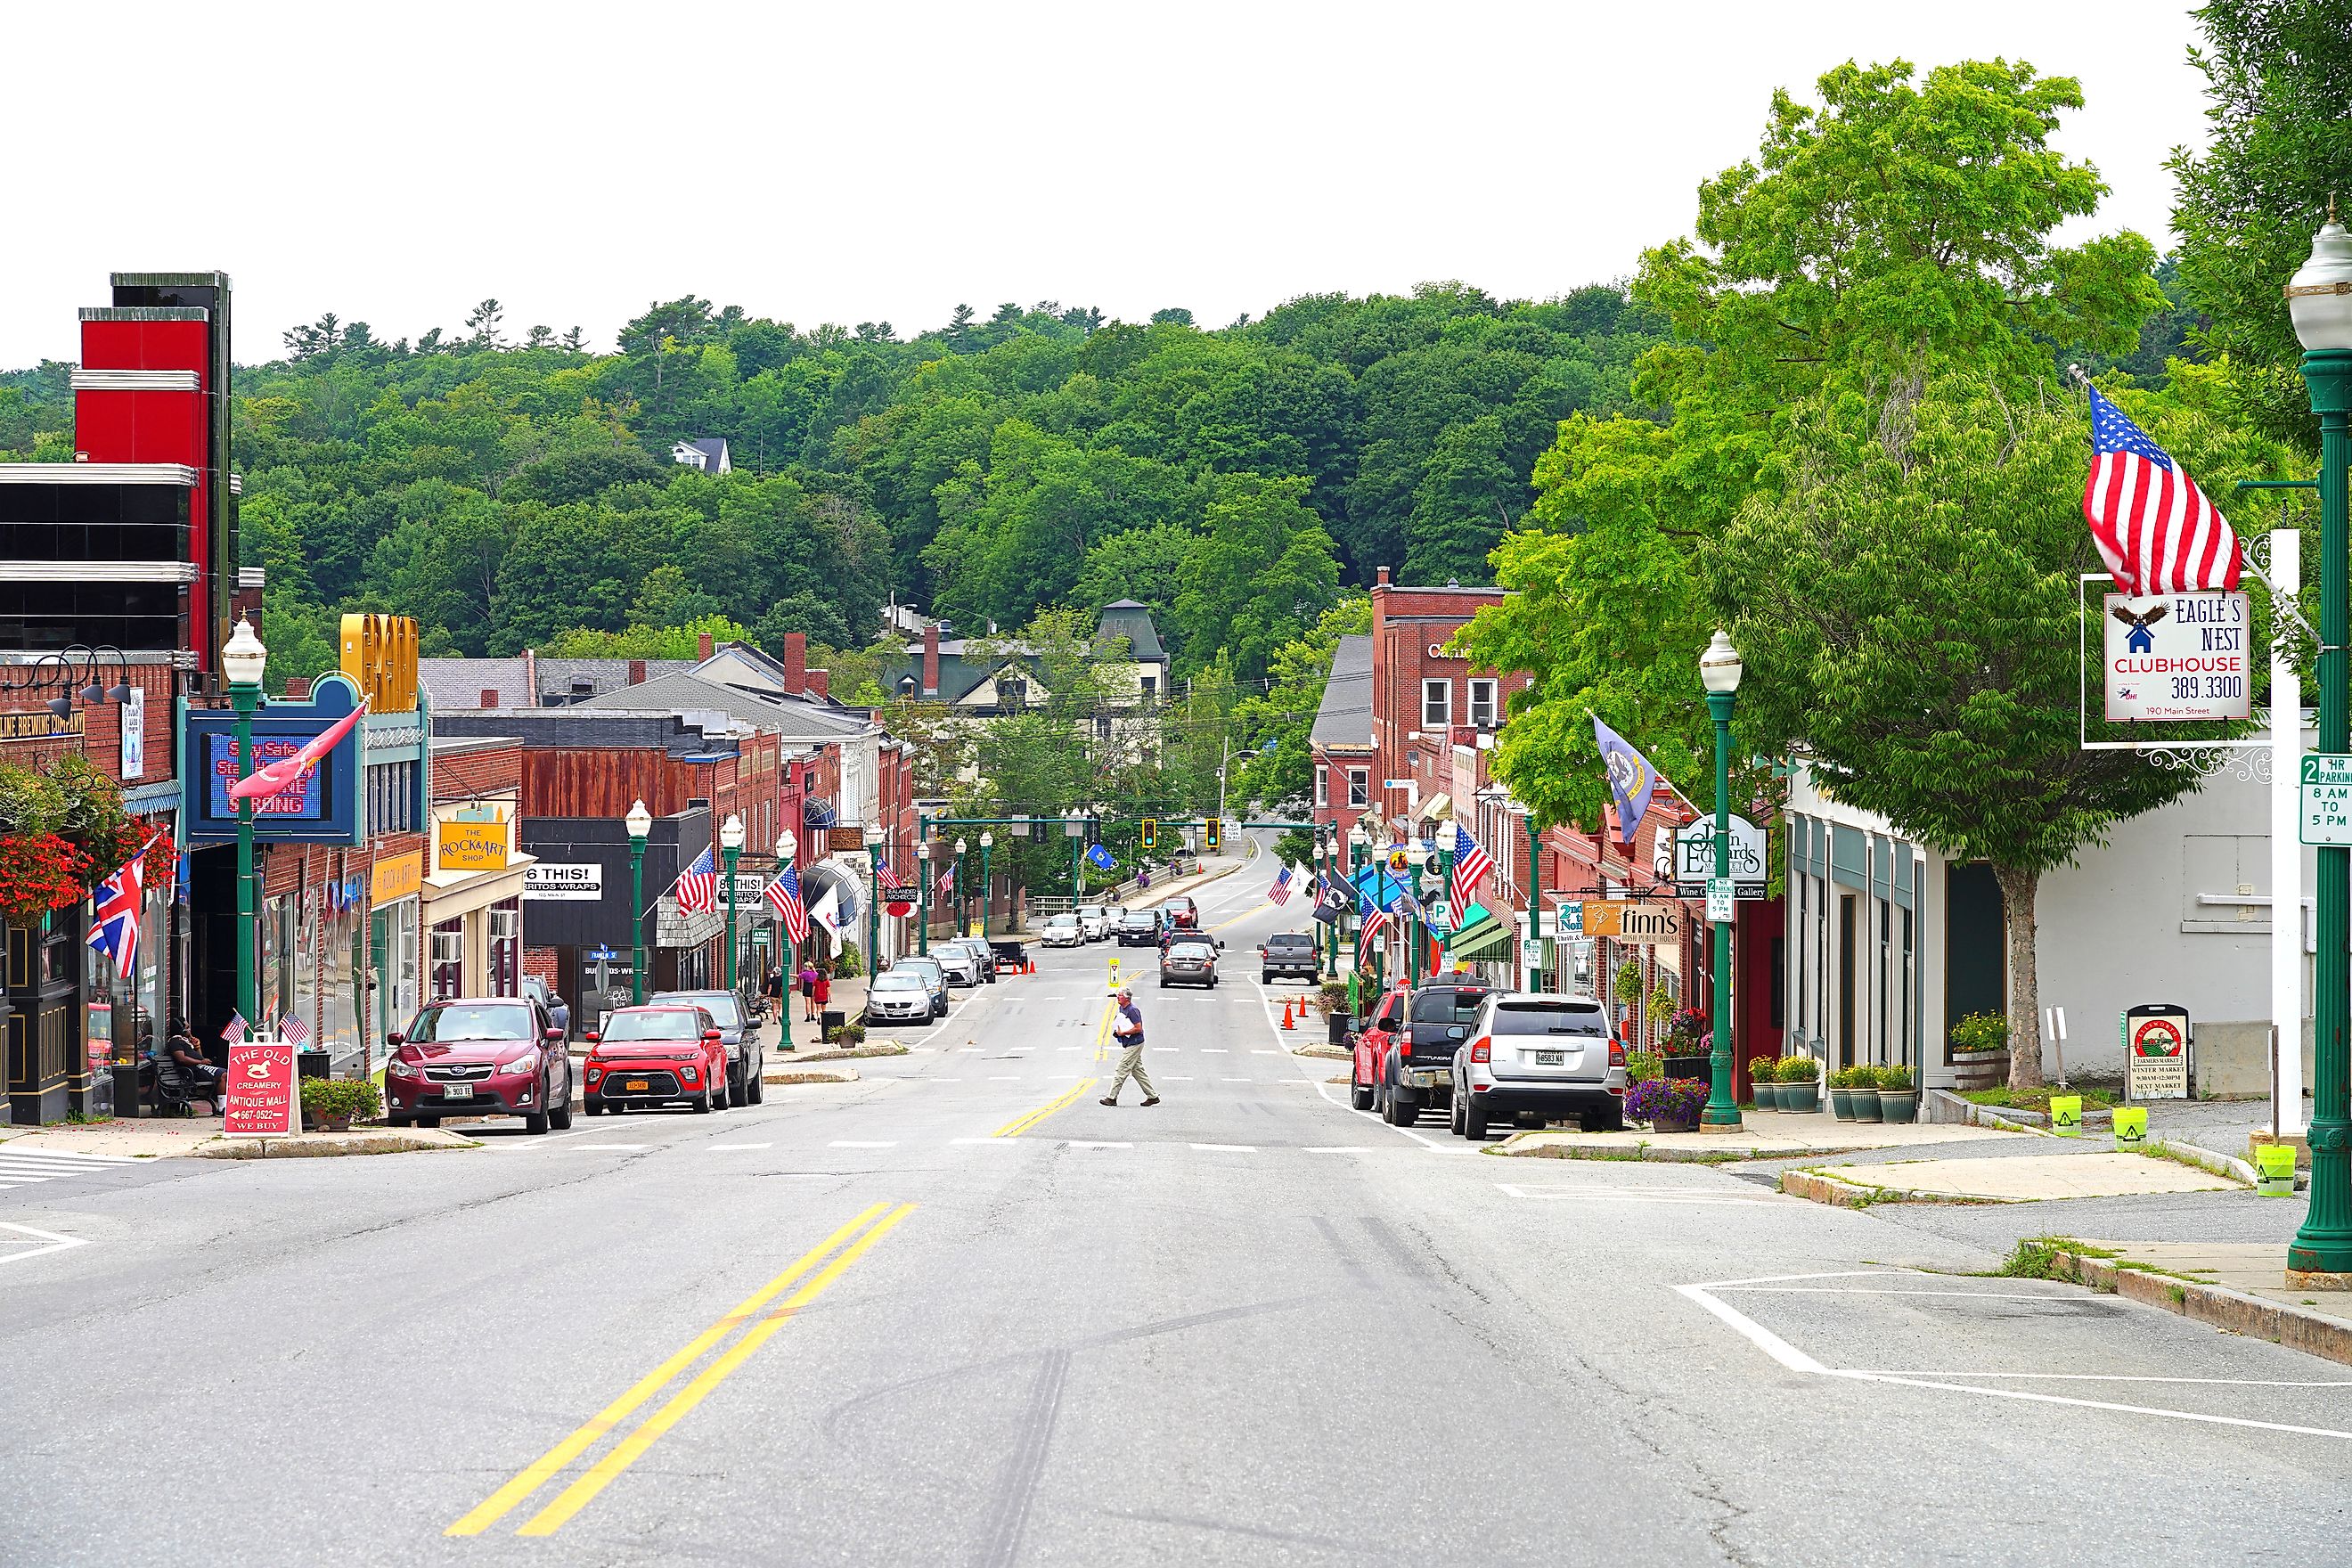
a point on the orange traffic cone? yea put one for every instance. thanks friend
(1285, 1014)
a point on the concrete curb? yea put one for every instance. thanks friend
(304, 1148)
(816, 1075)
(1520, 1146)
(2205, 1159)
(852, 1053)
(2211, 1304)
(1837, 1194)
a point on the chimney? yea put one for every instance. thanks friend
(489, 696)
(1384, 576)
(819, 683)
(529, 678)
(297, 687)
(636, 672)
(931, 660)
(703, 645)
(795, 663)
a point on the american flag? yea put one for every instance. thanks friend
(886, 877)
(1472, 866)
(2154, 527)
(1280, 893)
(698, 885)
(785, 893)
(117, 901)
(295, 1031)
(234, 1031)
(1370, 919)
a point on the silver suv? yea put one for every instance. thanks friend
(1553, 1056)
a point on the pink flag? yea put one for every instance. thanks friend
(282, 775)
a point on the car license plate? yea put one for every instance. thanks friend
(457, 1092)
(1551, 1058)
(636, 1084)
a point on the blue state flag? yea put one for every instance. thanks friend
(1100, 858)
(1633, 781)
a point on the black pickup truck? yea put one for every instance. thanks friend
(1289, 954)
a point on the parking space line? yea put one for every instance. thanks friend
(861, 1143)
(1226, 1148)
(1339, 1149)
(42, 1243)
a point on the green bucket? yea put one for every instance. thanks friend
(2066, 1115)
(2274, 1165)
(2131, 1128)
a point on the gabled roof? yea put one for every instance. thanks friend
(713, 449)
(1344, 720)
(687, 693)
(461, 682)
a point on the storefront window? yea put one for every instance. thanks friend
(506, 948)
(447, 959)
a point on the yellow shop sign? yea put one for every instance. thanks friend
(470, 845)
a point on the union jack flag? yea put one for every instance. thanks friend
(1280, 893)
(698, 885)
(1472, 866)
(784, 894)
(2154, 527)
(118, 901)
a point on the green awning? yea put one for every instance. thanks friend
(1481, 936)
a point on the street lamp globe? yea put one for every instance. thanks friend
(1718, 668)
(873, 837)
(2319, 297)
(786, 847)
(243, 657)
(962, 847)
(639, 820)
(730, 832)
(988, 840)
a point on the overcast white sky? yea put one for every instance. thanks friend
(885, 161)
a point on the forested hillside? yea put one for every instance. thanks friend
(510, 490)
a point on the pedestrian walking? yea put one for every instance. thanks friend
(819, 993)
(1126, 1026)
(808, 991)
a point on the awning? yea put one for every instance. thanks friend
(848, 887)
(817, 813)
(448, 894)
(1480, 937)
(1439, 807)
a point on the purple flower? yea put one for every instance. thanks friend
(1665, 1099)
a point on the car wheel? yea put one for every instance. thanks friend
(1610, 1121)
(1474, 1118)
(1266, 980)
(1453, 1116)
(1381, 1105)
(702, 1105)
(1359, 1095)
(560, 1118)
(1408, 1111)
(428, 1121)
(400, 1121)
(534, 1121)
(758, 1094)
(593, 1107)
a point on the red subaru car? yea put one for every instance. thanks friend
(657, 1056)
(485, 1056)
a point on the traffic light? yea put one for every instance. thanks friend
(1216, 839)
(1151, 832)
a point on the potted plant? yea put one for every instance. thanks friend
(1641, 1067)
(1898, 1094)
(1861, 1090)
(1689, 1044)
(1667, 1104)
(1841, 1087)
(1979, 1050)
(1799, 1084)
(332, 1102)
(1763, 1079)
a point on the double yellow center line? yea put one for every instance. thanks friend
(866, 1229)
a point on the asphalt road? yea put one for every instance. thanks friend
(960, 1313)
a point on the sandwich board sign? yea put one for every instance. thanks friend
(2156, 1052)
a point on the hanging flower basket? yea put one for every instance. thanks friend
(39, 872)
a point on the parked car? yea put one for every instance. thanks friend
(1289, 953)
(1063, 930)
(1190, 959)
(981, 950)
(932, 976)
(559, 1011)
(1551, 1055)
(957, 962)
(1181, 913)
(747, 1054)
(1407, 1055)
(899, 996)
(658, 1054)
(1094, 921)
(1138, 928)
(1010, 952)
(486, 1055)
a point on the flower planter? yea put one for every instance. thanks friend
(1701, 1067)
(1805, 1097)
(1842, 1103)
(1865, 1102)
(334, 1125)
(1674, 1124)
(1768, 1096)
(1898, 1105)
(1979, 1069)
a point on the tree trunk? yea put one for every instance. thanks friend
(2017, 890)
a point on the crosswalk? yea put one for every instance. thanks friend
(26, 1167)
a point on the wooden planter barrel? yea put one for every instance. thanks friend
(1980, 1069)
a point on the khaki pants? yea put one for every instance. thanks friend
(1130, 1065)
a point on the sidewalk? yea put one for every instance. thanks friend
(199, 1137)
(1768, 1135)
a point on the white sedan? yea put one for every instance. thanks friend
(1094, 921)
(1063, 930)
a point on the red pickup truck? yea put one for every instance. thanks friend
(1404, 1054)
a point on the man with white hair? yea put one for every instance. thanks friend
(1128, 1026)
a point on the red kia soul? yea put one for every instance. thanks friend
(657, 1056)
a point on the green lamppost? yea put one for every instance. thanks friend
(2319, 300)
(1535, 897)
(923, 885)
(1718, 671)
(786, 847)
(1358, 842)
(243, 660)
(640, 823)
(873, 837)
(731, 850)
(987, 887)
(963, 897)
